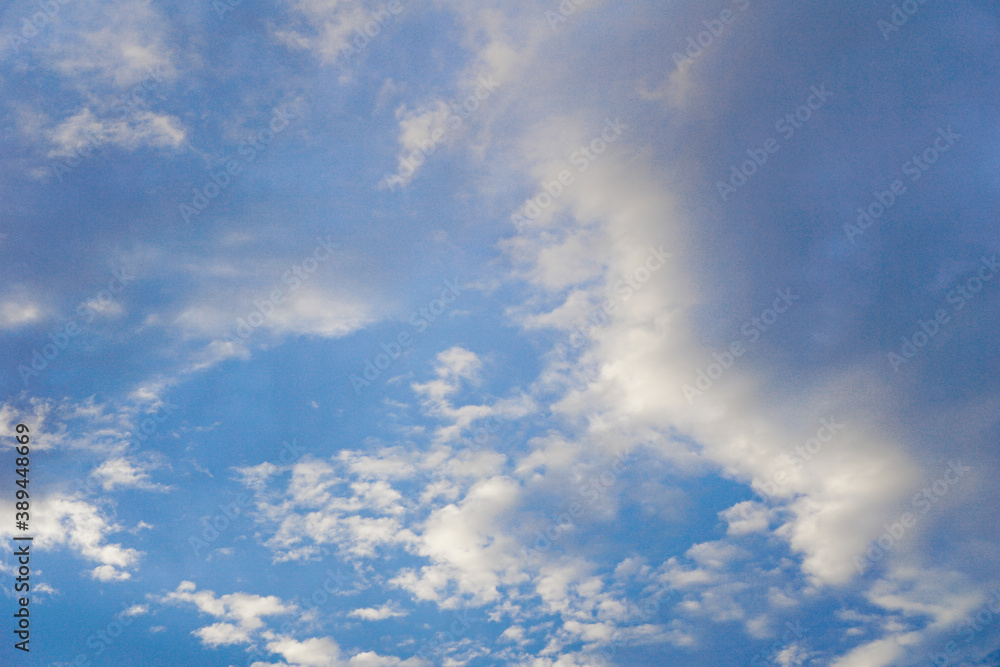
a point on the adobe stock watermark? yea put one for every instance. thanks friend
(797, 458)
(127, 107)
(151, 422)
(223, 7)
(293, 278)
(372, 28)
(32, 25)
(334, 583)
(590, 491)
(624, 289)
(457, 114)
(581, 158)
(899, 16)
(800, 456)
(786, 126)
(420, 319)
(959, 296)
(565, 9)
(971, 626)
(924, 500)
(714, 28)
(794, 632)
(484, 429)
(228, 515)
(99, 641)
(433, 650)
(228, 173)
(752, 330)
(87, 311)
(915, 167)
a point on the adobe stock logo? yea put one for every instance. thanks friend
(38, 21)
(372, 29)
(581, 158)
(802, 455)
(420, 319)
(797, 459)
(294, 278)
(753, 330)
(590, 492)
(918, 165)
(923, 499)
(714, 28)
(899, 17)
(629, 285)
(986, 615)
(566, 8)
(960, 296)
(786, 126)
(227, 174)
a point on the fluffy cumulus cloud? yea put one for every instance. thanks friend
(242, 613)
(243, 622)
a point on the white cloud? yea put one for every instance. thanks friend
(466, 547)
(122, 473)
(36, 416)
(87, 426)
(422, 131)
(310, 310)
(324, 652)
(387, 610)
(313, 312)
(504, 43)
(328, 28)
(85, 130)
(116, 44)
(453, 366)
(109, 573)
(324, 507)
(633, 367)
(714, 555)
(15, 314)
(105, 51)
(242, 622)
(241, 614)
(223, 634)
(747, 517)
(58, 521)
(911, 595)
(880, 653)
(315, 652)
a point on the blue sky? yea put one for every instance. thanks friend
(502, 333)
